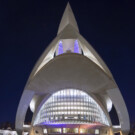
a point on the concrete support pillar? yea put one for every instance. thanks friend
(22, 109)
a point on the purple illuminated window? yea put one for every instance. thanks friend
(60, 48)
(76, 47)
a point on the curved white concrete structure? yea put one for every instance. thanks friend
(70, 62)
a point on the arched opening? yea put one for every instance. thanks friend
(114, 117)
(70, 106)
(28, 117)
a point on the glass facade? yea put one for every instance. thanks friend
(70, 106)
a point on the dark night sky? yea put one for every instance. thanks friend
(27, 27)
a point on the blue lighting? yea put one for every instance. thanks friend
(53, 124)
(76, 47)
(60, 48)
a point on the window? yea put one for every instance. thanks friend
(76, 47)
(45, 131)
(96, 131)
(60, 48)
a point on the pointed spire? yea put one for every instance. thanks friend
(68, 18)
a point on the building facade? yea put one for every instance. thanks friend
(7, 132)
(71, 90)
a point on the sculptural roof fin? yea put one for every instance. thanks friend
(68, 18)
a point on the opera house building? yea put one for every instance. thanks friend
(71, 90)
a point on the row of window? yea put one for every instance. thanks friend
(69, 113)
(74, 108)
(65, 118)
(70, 102)
(71, 98)
(71, 130)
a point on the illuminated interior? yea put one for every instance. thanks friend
(76, 130)
(70, 106)
(68, 45)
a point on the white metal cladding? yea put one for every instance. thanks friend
(70, 106)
